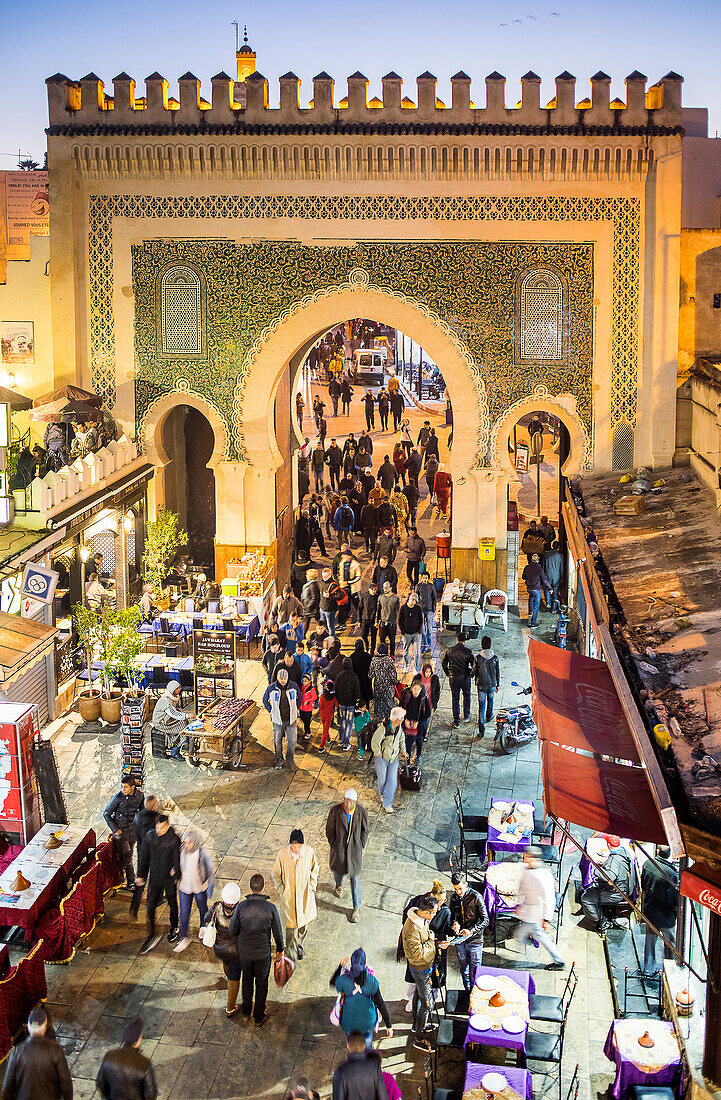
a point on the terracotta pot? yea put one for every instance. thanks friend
(110, 709)
(89, 706)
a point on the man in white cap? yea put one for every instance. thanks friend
(347, 831)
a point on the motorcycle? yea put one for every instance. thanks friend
(561, 631)
(515, 725)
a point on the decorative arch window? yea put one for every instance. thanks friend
(181, 313)
(540, 316)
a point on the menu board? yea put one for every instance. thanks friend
(214, 665)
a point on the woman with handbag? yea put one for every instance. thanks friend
(418, 714)
(361, 1002)
(225, 947)
(196, 881)
(386, 746)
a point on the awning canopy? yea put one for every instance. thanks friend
(591, 771)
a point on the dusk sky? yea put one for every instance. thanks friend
(512, 36)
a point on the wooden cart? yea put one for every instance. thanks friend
(224, 747)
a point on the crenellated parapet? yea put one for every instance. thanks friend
(84, 106)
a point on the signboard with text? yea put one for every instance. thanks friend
(27, 209)
(702, 884)
(214, 665)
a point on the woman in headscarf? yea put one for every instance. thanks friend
(361, 660)
(442, 486)
(196, 881)
(361, 1001)
(383, 677)
(170, 721)
(225, 947)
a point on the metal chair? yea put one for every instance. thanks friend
(553, 1009)
(457, 1003)
(450, 1034)
(557, 920)
(572, 1093)
(227, 623)
(213, 607)
(548, 1046)
(472, 823)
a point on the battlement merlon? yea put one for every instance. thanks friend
(85, 103)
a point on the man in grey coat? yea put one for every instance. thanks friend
(554, 569)
(346, 830)
(388, 606)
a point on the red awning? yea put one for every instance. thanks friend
(703, 884)
(580, 719)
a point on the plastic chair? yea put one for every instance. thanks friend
(493, 608)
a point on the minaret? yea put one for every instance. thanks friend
(244, 59)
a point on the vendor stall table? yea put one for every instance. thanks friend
(636, 1064)
(222, 734)
(520, 1084)
(512, 836)
(515, 986)
(459, 606)
(47, 870)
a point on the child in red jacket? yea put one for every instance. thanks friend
(308, 696)
(326, 709)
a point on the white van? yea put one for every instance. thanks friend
(369, 365)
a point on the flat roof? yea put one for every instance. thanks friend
(665, 568)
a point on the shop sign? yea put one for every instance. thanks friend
(39, 583)
(703, 884)
(27, 209)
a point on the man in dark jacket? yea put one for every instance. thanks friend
(334, 459)
(388, 608)
(310, 598)
(536, 581)
(254, 921)
(299, 568)
(415, 548)
(120, 814)
(424, 434)
(37, 1068)
(291, 664)
(411, 493)
(334, 393)
(431, 448)
(145, 818)
(397, 403)
(554, 570)
(368, 615)
(487, 675)
(271, 657)
(659, 889)
(458, 665)
(410, 624)
(317, 465)
(369, 401)
(125, 1073)
(386, 545)
(383, 572)
(360, 1077)
(413, 465)
(470, 918)
(159, 863)
(387, 475)
(346, 830)
(428, 602)
(369, 526)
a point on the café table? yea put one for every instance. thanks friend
(500, 893)
(511, 836)
(659, 1065)
(247, 627)
(520, 1083)
(516, 987)
(47, 871)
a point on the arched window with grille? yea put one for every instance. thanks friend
(540, 318)
(181, 313)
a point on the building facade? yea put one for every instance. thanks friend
(199, 247)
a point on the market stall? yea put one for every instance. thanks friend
(219, 734)
(459, 603)
(250, 578)
(38, 877)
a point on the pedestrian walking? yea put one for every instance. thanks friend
(431, 448)
(400, 507)
(318, 408)
(397, 404)
(386, 745)
(120, 814)
(125, 1073)
(547, 530)
(659, 890)
(361, 660)
(334, 461)
(431, 471)
(361, 1001)
(317, 465)
(406, 437)
(442, 486)
(458, 665)
(349, 579)
(225, 945)
(414, 701)
(360, 1077)
(346, 392)
(253, 923)
(384, 677)
(281, 700)
(419, 948)
(423, 435)
(196, 882)
(37, 1068)
(470, 919)
(399, 461)
(431, 686)
(536, 582)
(369, 526)
(347, 694)
(536, 905)
(487, 674)
(295, 874)
(334, 392)
(387, 475)
(383, 408)
(326, 709)
(159, 866)
(346, 830)
(554, 568)
(368, 610)
(344, 522)
(386, 546)
(369, 402)
(533, 541)
(299, 406)
(310, 599)
(412, 495)
(308, 700)
(415, 548)
(410, 624)
(388, 607)
(428, 603)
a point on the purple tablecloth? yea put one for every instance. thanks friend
(628, 1074)
(519, 1079)
(499, 1037)
(247, 630)
(496, 904)
(495, 845)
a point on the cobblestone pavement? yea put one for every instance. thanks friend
(247, 816)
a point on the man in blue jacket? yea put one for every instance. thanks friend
(553, 568)
(281, 702)
(344, 521)
(120, 815)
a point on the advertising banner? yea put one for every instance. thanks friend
(27, 209)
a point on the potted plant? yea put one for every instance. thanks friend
(163, 539)
(87, 626)
(120, 644)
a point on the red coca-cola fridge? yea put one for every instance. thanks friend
(19, 796)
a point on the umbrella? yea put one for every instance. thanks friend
(15, 400)
(64, 412)
(69, 393)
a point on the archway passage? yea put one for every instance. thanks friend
(189, 483)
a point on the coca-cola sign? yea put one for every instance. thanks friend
(703, 884)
